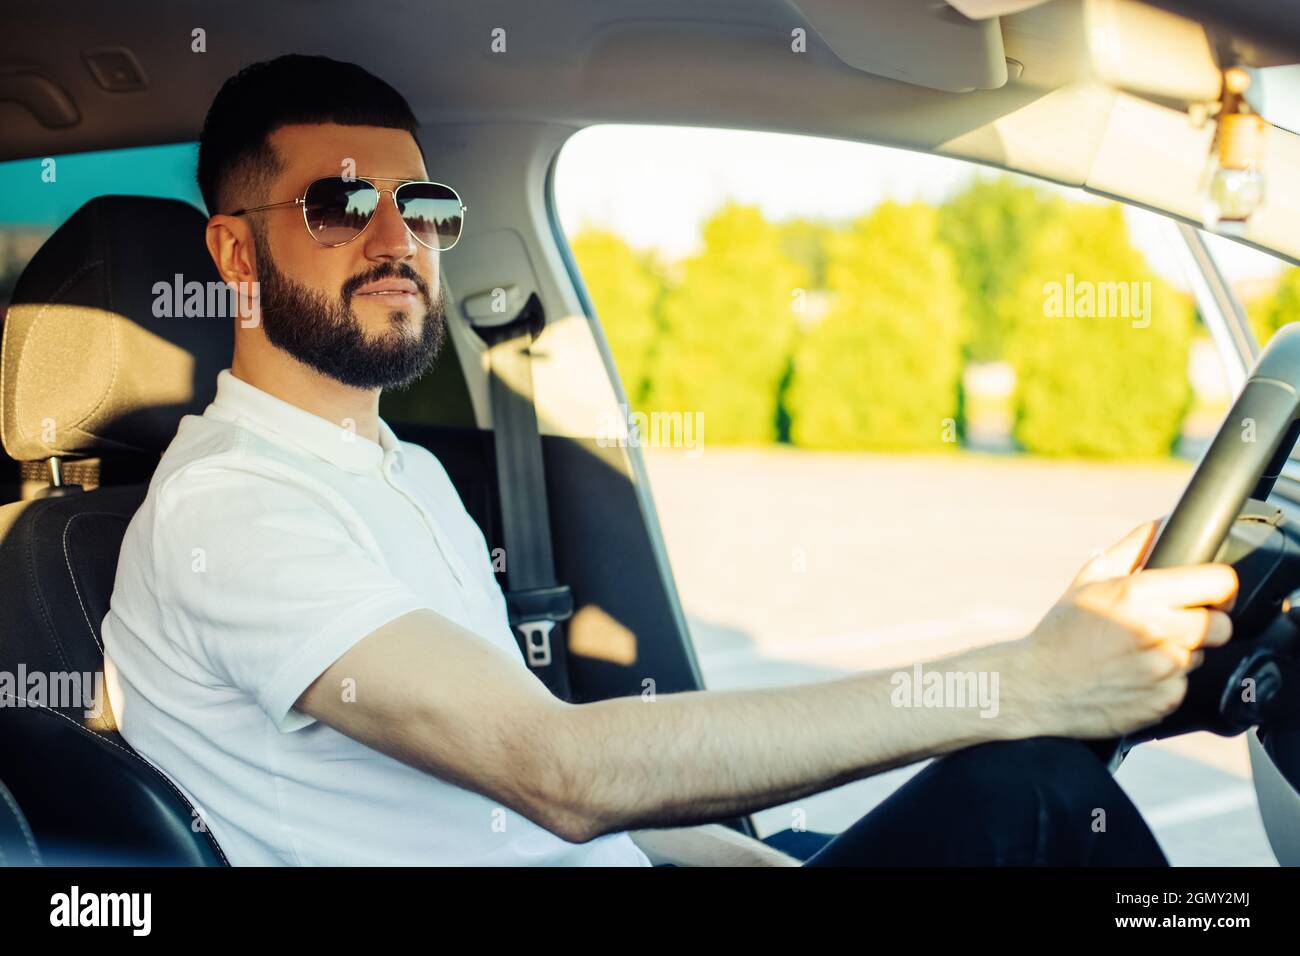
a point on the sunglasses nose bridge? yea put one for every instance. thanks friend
(379, 199)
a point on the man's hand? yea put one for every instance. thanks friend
(1113, 654)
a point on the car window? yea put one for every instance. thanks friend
(1266, 286)
(41, 193)
(889, 404)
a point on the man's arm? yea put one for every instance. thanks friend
(1111, 656)
(438, 697)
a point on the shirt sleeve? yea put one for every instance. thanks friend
(265, 582)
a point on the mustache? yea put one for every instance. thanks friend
(385, 270)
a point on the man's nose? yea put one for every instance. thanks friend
(388, 238)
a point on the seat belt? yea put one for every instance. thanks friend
(537, 604)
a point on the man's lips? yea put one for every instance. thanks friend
(386, 288)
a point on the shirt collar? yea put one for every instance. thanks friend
(336, 444)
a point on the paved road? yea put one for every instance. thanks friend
(802, 566)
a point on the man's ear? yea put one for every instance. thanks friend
(230, 243)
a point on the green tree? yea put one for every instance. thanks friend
(990, 227)
(1099, 344)
(1268, 313)
(882, 369)
(729, 326)
(625, 288)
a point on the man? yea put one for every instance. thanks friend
(306, 636)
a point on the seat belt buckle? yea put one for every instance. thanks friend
(537, 642)
(534, 614)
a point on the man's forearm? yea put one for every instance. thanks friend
(687, 758)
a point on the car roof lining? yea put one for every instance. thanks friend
(694, 62)
(706, 63)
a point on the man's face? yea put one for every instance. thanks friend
(368, 313)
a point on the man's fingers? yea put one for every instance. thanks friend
(1219, 631)
(1227, 605)
(1162, 661)
(1119, 559)
(1189, 629)
(1201, 585)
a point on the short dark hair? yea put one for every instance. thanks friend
(234, 150)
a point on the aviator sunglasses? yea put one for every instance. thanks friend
(337, 210)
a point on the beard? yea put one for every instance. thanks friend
(326, 334)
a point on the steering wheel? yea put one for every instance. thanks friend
(1223, 514)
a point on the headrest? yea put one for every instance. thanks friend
(107, 343)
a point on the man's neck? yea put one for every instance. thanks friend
(295, 383)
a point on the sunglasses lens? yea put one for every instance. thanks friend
(432, 212)
(337, 210)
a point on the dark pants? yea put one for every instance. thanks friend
(1048, 801)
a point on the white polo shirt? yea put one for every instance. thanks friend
(270, 542)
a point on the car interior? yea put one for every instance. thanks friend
(1101, 95)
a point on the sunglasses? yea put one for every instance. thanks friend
(337, 210)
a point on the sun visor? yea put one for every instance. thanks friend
(926, 44)
(1150, 53)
